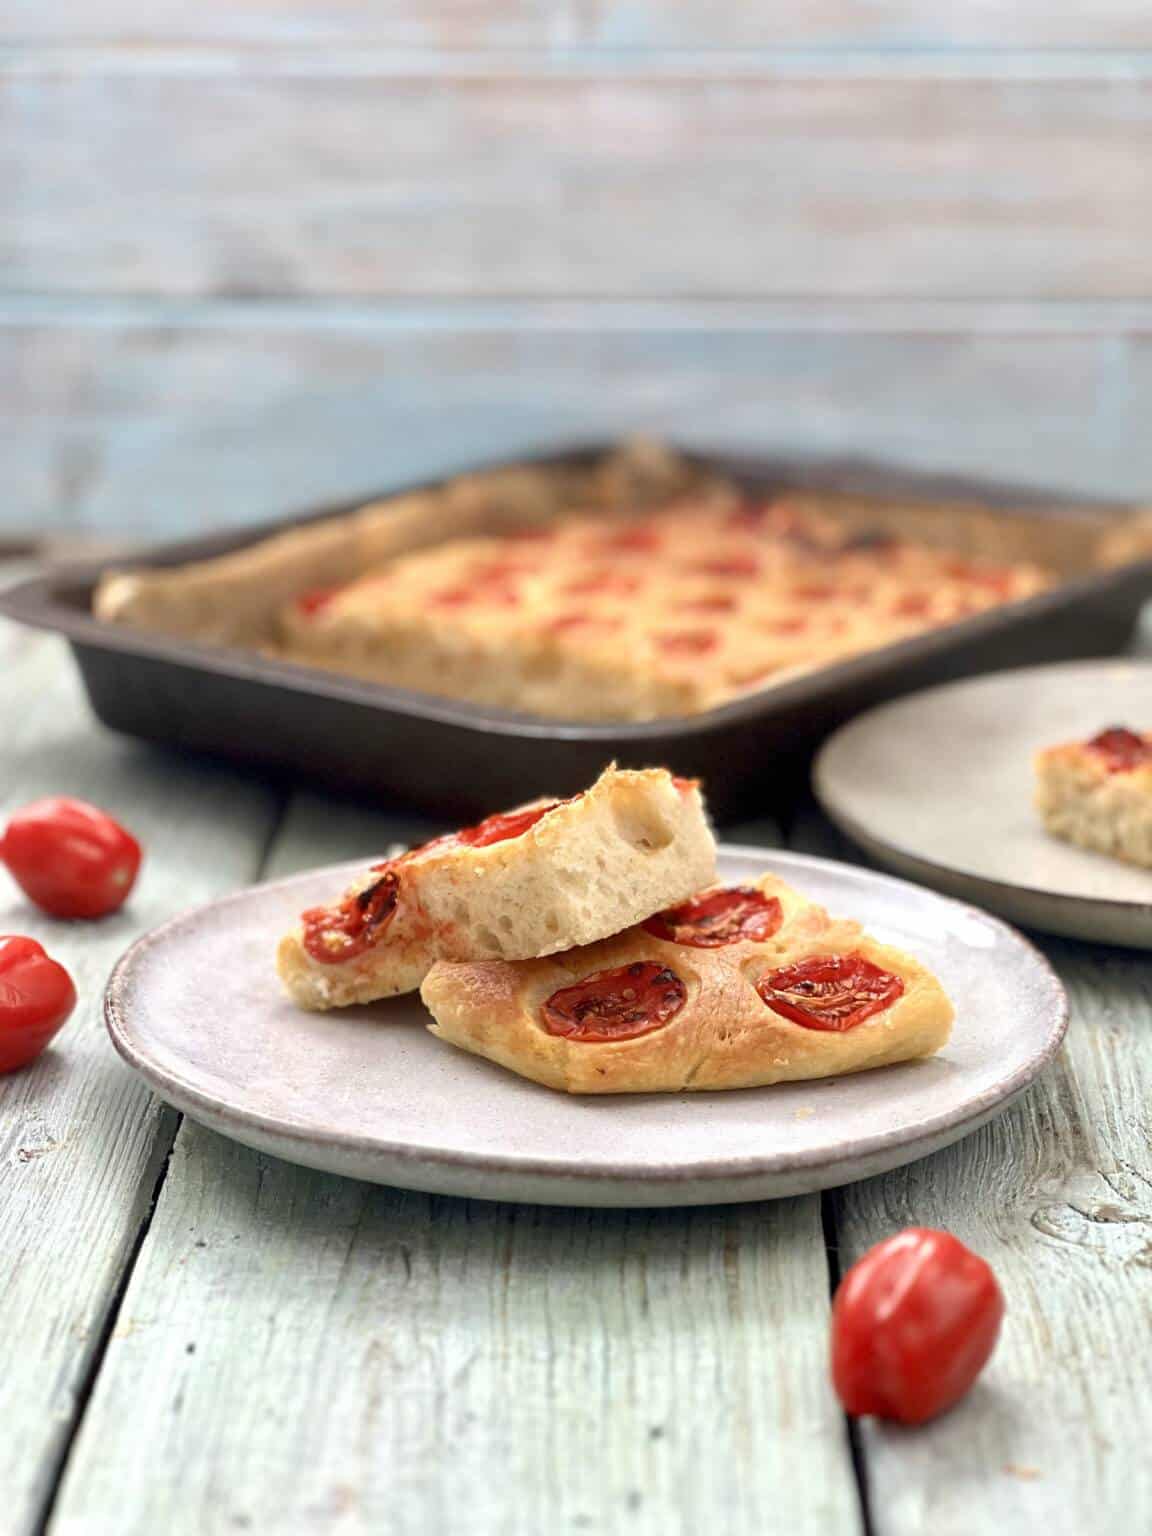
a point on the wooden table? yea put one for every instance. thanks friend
(195, 1339)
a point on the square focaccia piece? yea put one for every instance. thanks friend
(1098, 793)
(542, 878)
(739, 988)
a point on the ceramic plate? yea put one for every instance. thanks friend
(196, 1008)
(939, 787)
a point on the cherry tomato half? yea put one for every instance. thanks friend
(913, 1324)
(620, 1004)
(71, 858)
(36, 997)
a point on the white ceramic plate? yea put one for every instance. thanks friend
(196, 1008)
(939, 787)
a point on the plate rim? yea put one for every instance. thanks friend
(832, 807)
(503, 1164)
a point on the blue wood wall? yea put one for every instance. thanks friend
(255, 254)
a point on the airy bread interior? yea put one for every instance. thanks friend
(1081, 802)
(636, 842)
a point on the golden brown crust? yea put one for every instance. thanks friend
(724, 1035)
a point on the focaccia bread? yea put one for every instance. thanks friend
(739, 988)
(236, 598)
(668, 614)
(1098, 793)
(638, 584)
(529, 882)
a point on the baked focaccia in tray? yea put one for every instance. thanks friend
(634, 587)
(738, 988)
(1098, 793)
(668, 614)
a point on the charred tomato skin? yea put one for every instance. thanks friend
(727, 916)
(357, 924)
(830, 992)
(622, 1003)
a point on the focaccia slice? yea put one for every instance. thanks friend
(1098, 793)
(535, 880)
(739, 988)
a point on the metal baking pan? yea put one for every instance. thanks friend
(461, 760)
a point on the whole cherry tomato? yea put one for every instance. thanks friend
(913, 1323)
(70, 858)
(36, 996)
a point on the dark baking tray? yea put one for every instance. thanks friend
(460, 759)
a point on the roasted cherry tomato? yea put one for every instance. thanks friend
(36, 997)
(504, 825)
(832, 992)
(70, 858)
(314, 602)
(913, 1325)
(721, 917)
(639, 538)
(1121, 749)
(688, 642)
(339, 933)
(620, 1004)
(728, 565)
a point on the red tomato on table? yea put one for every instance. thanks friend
(913, 1324)
(71, 858)
(36, 997)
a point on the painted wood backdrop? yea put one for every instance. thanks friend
(255, 253)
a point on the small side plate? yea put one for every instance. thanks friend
(195, 1007)
(939, 786)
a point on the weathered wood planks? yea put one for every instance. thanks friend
(533, 183)
(158, 420)
(81, 1140)
(1057, 1195)
(301, 1353)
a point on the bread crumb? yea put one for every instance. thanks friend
(804, 1113)
(1025, 1474)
